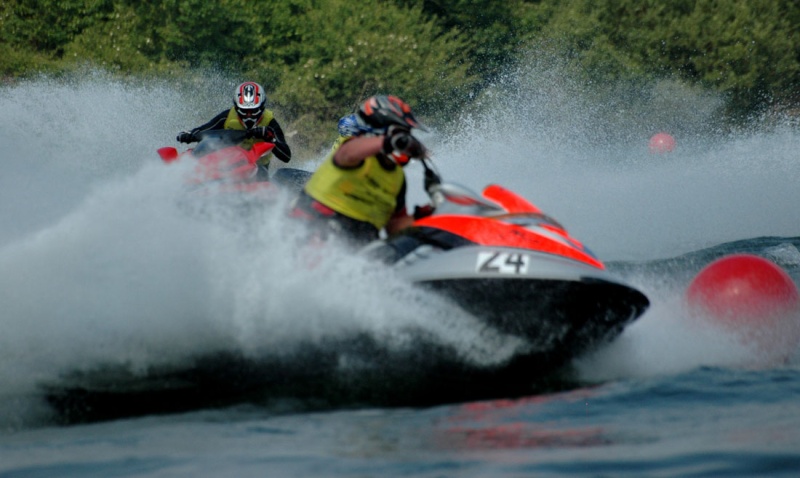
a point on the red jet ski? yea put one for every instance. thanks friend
(501, 259)
(221, 164)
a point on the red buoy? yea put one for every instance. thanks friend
(662, 143)
(752, 296)
(743, 288)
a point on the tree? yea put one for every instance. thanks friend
(336, 52)
(746, 50)
(491, 30)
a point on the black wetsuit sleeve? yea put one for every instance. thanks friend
(281, 149)
(217, 122)
(401, 198)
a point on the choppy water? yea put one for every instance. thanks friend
(101, 266)
(705, 422)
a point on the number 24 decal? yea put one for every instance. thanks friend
(502, 262)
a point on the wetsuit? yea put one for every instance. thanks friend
(281, 149)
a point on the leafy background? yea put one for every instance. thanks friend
(320, 58)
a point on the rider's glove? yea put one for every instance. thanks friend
(422, 211)
(400, 145)
(261, 132)
(186, 137)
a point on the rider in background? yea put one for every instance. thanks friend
(249, 114)
(360, 187)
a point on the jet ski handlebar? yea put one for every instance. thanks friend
(431, 177)
(442, 193)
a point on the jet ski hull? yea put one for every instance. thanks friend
(560, 307)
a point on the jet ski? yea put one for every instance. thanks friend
(493, 255)
(501, 259)
(222, 165)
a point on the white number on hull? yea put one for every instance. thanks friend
(502, 262)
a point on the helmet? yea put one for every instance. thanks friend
(249, 103)
(383, 111)
(348, 125)
(353, 125)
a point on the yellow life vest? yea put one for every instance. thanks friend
(366, 193)
(232, 122)
(338, 142)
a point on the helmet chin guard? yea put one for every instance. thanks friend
(249, 123)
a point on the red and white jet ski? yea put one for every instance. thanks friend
(494, 255)
(498, 257)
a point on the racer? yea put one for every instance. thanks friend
(249, 114)
(360, 188)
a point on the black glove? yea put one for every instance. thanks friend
(422, 211)
(400, 142)
(261, 132)
(431, 178)
(186, 137)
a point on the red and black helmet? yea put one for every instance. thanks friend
(383, 111)
(249, 101)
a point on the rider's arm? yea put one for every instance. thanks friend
(353, 152)
(400, 219)
(398, 222)
(217, 122)
(281, 149)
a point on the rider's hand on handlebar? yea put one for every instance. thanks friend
(422, 211)
(186, 137)
(399, 141)
(261, 132)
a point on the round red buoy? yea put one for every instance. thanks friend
(743, 288)
(751, 295)
(662, 143)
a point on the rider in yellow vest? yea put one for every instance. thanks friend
(360, 187)
(249, 114)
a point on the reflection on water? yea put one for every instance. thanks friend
(523, 423)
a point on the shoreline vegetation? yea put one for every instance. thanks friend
(319, 58)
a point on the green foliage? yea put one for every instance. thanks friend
(198, 32)
(111, 43)
(341, 52)
(491, 29)
(18, 63)
(46, 25)
(319, 58)
(747, 50)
